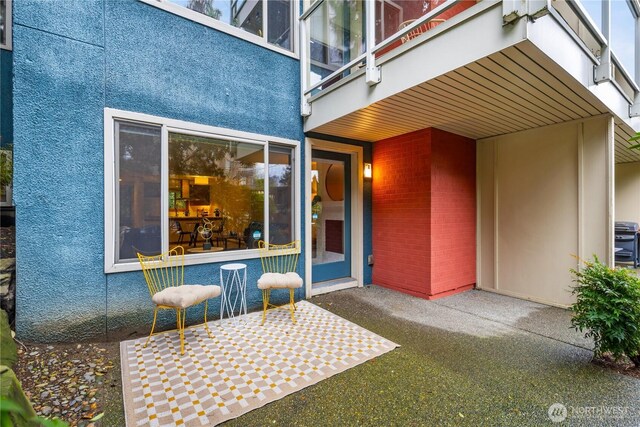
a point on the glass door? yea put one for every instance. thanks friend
(330, 216)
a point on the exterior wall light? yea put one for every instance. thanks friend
(367, 170)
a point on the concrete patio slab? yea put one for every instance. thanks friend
(530, 316)
(472, 359)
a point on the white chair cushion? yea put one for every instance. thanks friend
(289, 280)
(185, 296)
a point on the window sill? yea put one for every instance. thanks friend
(220, 26)
(192, 259)
(196, 259)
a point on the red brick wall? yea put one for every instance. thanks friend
(424, 213)
(453, 212)
(401, 212)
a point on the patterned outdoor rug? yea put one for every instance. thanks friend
(244, 366)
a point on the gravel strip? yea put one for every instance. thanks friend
(68, 381)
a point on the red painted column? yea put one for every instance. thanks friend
(453, 213)
(401, 212)
(424, 213)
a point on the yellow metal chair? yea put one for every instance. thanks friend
(164, 275)
(279, 264)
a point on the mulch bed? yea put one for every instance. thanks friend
(622, 366)
(70, 381)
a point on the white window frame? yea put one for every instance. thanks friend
(8, 44)
(111, 204)
(208, 21)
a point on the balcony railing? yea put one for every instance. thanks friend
(609, 31)
(343, 39)
(335, 42)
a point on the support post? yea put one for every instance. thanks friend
(634, 109)
(611, 192)
(305, 106)
(373, 72)
(603, 72)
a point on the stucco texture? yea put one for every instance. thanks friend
(73, 60)
(80, 20)
(162, 64)
(58, 98)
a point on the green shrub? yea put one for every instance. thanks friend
(13, 415)
(15, 408)
(8, 350)
(6, 167)
(635, 138)
(608, 309)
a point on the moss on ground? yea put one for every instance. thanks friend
(443, 378)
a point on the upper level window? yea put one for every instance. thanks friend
(624, 20)
(214, 191)
(268, 22)
(5, 24)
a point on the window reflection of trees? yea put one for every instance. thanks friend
(205, 7)
(235, 176)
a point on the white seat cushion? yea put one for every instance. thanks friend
(289, 280)
(186, 295)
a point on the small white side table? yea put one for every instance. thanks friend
(233, 277)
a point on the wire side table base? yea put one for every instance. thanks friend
(233, 277)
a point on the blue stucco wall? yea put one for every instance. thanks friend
(58, 99)
(71, 60)
(197, 74)
(6, 98)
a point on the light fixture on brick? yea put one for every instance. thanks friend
(367, 170)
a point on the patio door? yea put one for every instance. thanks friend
(330, 216)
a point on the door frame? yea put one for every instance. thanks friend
(357, 227)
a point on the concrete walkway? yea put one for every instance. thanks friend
(472, 359)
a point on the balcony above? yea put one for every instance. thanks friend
(477, 69)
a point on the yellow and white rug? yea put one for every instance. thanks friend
(243, 367)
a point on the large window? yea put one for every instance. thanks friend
(138, 154)
(268, 22)
(5, 24)
(216, 192)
